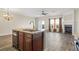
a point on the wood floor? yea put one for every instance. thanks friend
(6, 43)
(52, 42)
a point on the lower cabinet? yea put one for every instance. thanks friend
(15, 37)
(28, 42)
(33, 42)
(21, 40)
(37, 44)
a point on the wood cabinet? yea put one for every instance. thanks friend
(29, 41)
(28, 44)
(21, 40)
(33, 42)
(15, 37)
(38, 42)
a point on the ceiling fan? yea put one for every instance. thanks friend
(44, 12)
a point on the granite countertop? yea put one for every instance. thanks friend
(31, 31)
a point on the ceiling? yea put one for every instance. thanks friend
(36, 12)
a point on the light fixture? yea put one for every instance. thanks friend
(44, 12)
(7, 15)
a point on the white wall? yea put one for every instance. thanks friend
(76, 25)
(19, 21)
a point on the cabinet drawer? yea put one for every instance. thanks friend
(37, 35)
(28, 35)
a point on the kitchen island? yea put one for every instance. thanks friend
(27, 39)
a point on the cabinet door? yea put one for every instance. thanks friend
(21, 38)
(38, 44)
(27, 44)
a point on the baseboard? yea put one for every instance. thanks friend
(76, 35)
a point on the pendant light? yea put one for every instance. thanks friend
(7, 15)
